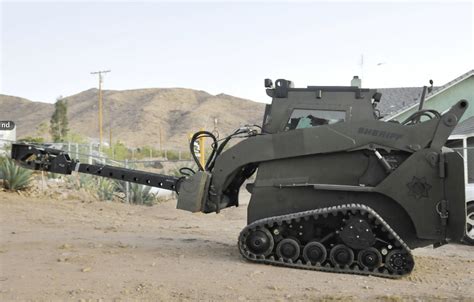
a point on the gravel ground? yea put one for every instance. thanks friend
(97, 251)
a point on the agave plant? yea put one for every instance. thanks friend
(106, 189)
(2, 159)
(81, 181)
(53, 175)
(138, 194)
(14, 177)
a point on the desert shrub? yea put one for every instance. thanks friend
(147, 152)
(138, 194)
(105, 188)
(102, 187)
(176, 170)
(73, 137)
(2, 159)
(82, 181)
(172, 155)
(14, 177)
(186, 155)
(118, 151)
(53, 175)
(32, 139)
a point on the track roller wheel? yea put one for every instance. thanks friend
(315, 240)
(314, 252)
(399, 262)
(341, 255)
(260, 242)
(370, 258)
(288, 249)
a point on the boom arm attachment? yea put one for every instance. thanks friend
(57, 161)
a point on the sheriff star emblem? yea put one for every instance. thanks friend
(418, 187)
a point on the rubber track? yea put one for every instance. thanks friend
(328, 267)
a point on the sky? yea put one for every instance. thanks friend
(48, 49)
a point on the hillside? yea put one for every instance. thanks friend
(136, 116)
(26, 114)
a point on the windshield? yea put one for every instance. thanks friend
(307, 118)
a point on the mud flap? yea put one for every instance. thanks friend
(455, 196)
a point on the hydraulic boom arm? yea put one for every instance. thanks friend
(57, 161)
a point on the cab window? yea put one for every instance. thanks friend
(307, 118)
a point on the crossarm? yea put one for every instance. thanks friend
(57, 161)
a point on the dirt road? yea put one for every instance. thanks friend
(81, 251)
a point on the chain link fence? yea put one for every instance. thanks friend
(92, 154)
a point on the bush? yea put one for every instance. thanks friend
(172, 155)
(117, 152)
(14, 177)
(81, 181)
(32, 139)
(53, 175)
(75, 138)
(102, 187)
(139, 194)
(106, 188)
(176, 170)
(2, 159)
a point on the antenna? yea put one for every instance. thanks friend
(431, 86)
(361, 65)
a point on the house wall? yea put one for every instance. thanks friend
(457, 145)
(444, 100)
(6, 136)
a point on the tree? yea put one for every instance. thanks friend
(42, 129)
(59, 121)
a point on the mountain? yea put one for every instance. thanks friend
(26, 114)
(136, 116)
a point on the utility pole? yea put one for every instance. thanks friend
(100, 73)
(202, 153)
(110, 135)
(161, 144)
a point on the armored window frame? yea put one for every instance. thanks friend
(301, 118)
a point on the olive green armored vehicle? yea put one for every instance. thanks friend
(336, 188)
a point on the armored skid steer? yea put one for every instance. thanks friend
(336, 188)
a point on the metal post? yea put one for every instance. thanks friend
(127, 188)
(161, 145)
(422, 99)
(42, 182)
(422, 102)
(77, 151)
(90, 154)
